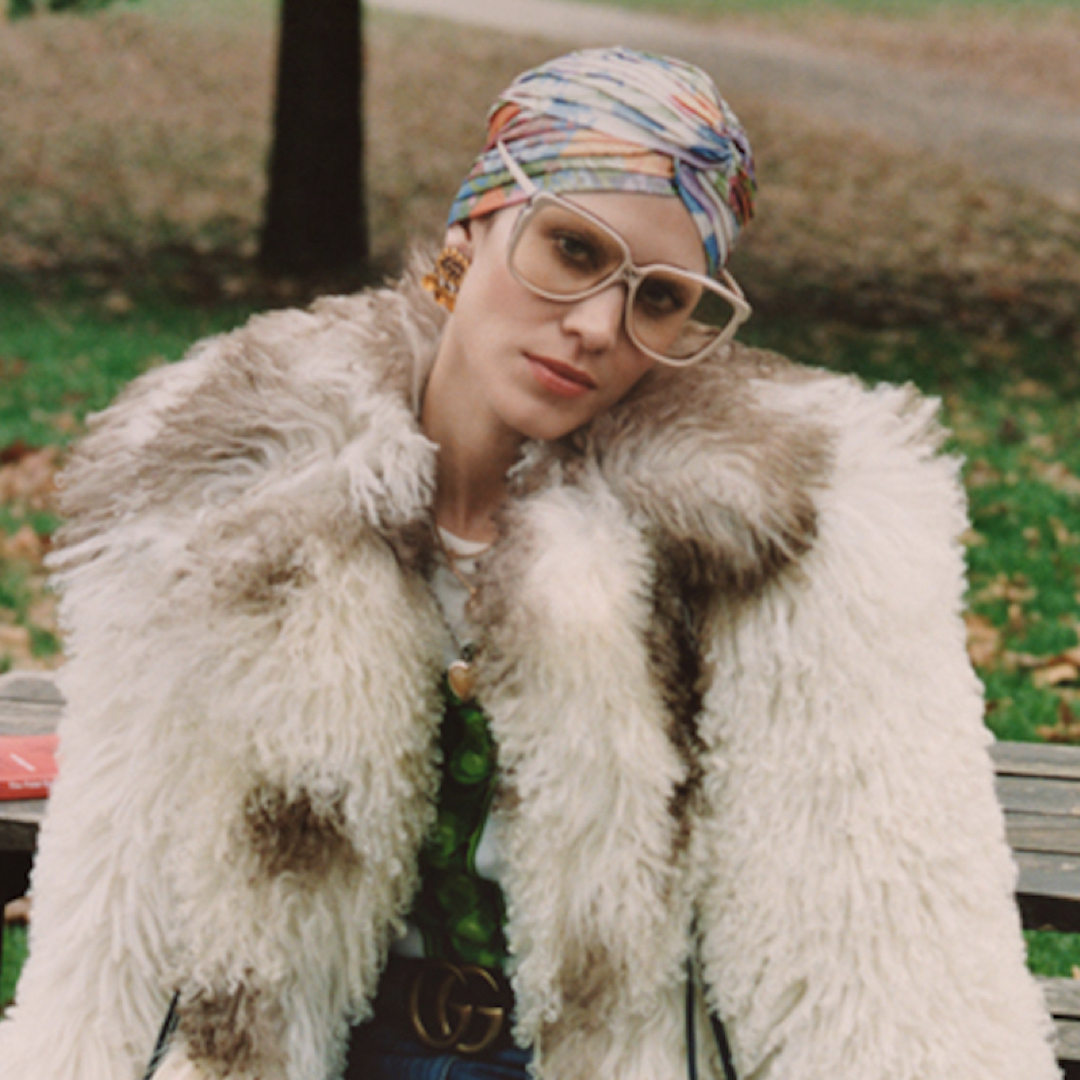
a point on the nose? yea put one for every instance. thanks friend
(597, 320)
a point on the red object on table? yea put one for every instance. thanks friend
(27, 766)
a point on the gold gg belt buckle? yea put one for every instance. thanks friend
(457, 1007)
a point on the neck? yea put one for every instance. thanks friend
(475, 454)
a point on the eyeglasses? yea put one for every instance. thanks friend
(562, 252)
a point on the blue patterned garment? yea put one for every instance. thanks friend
(618, 119)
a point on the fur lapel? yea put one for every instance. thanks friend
(590, 775)
(709, 461)
(588, 677)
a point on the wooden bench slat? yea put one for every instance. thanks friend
(1063, 1000)
(1036, 759)
(1030, 795)
(1041, 832)
(1062, 997)
(33, 687)
(1049, 874)
(1067, 1040)
(30, 704)
(1048, 891)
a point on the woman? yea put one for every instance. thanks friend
(708, 601)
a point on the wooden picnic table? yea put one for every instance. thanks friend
(1038, 785)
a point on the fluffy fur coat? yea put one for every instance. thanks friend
(723, 660)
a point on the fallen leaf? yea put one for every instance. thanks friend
(117, 302)
(14, 452)
(1057, 476)
(17, 911)
(15, 645)
(66, 423)
(1067, 728)
(1010, 433)
(23, 546)
(981, 474)
(1030, 389)
(43, 613)
(1055, 674)
(31, 479)
(1004, 588)
(1061, 533)
(983, 640)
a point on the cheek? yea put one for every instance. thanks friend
(632, 367)
(490, 298)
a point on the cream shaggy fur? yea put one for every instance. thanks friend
(724, 664)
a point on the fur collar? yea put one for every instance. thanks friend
(699, 456)
(709, 460)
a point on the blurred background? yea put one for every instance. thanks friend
(918, 220)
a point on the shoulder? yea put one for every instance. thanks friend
(317, 390)
(753, 462)
(329, 355)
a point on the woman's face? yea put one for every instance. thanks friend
(541, 368)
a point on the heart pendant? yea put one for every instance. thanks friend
(462, 678)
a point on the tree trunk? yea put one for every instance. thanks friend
(314, 221)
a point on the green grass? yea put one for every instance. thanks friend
(1056, 955)
(63, 357)
(14, 955)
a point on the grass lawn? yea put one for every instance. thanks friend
(62, 357)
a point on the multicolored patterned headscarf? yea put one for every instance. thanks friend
(617, 119)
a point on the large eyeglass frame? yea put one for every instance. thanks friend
(627, 271)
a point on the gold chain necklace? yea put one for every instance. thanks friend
(461, 674)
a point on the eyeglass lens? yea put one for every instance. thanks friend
(566, 254)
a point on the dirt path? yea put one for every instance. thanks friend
(1012, 138)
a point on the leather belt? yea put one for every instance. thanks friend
(449, 1007)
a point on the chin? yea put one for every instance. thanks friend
(548, 428)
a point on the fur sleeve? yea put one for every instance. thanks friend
(857, 911)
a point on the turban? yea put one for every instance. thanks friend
(617, 119)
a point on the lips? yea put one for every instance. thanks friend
(562, 379)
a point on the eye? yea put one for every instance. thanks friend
(576, 250)
(661, 298)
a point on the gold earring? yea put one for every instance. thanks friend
(446, 276)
